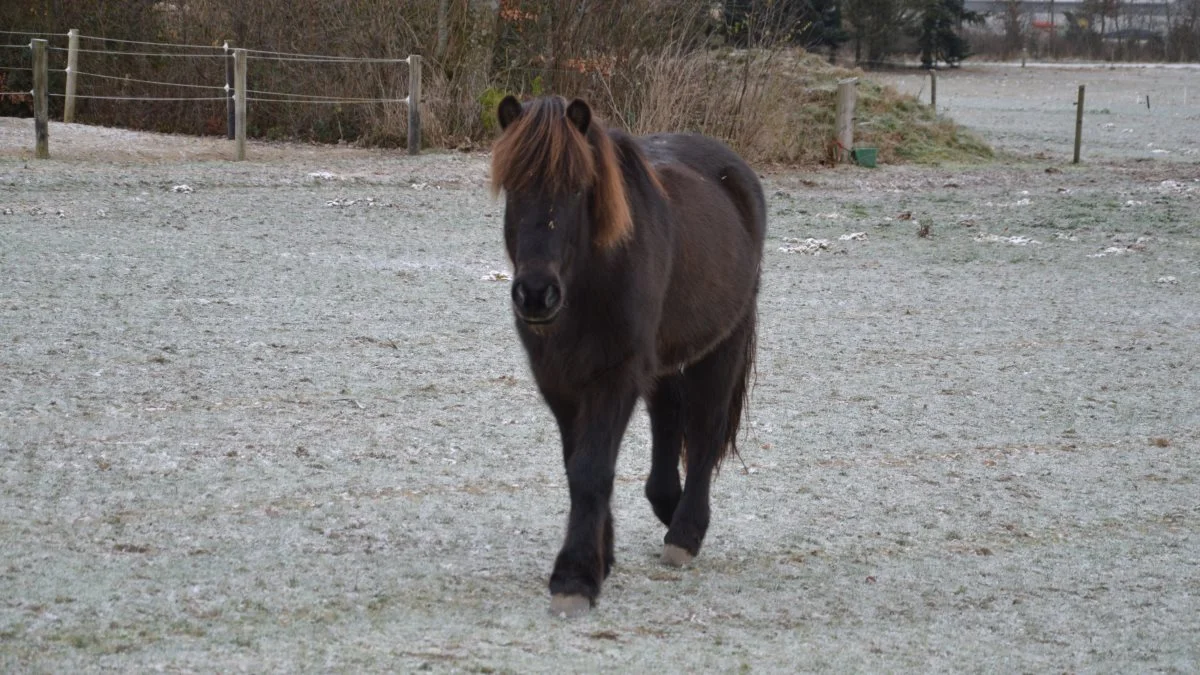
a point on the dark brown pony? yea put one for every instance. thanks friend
(636, 275)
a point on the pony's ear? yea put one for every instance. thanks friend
(580, 115)
(508, 111)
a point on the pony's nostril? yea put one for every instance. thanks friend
(536, 298)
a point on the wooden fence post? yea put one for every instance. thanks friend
(845, 118)
(239, 93)
(1078, 124)
(41, 101)
(72, 68)
(933, 89)
(414, 104)
(230, 99)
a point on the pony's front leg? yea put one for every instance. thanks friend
(586, 555)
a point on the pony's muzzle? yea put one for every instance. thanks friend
(536, 298)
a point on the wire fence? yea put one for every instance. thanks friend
(195, 51)
(223, 51)
(178, 88)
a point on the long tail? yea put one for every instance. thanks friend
(740, 400)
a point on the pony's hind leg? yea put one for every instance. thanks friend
(710, 423)
(666, 408)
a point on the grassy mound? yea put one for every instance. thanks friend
(779, 107)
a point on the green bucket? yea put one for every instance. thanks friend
(865, 156)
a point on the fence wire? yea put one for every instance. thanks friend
(259, 55)
(109, 52)
(327, 101)
(146, 98)
(30, 32)
(149, 44)
(165, 84)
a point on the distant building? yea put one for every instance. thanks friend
(1135, 19)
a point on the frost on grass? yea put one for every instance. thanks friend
(339, 202)
(809, 245)
(1176, 186)
(496, 275)
(1139, 245)
(1015, 240)
(185, 189)
(1022, 201)
(812, 246)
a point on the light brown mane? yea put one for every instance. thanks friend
(542, 150)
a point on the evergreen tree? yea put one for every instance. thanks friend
(939, 38)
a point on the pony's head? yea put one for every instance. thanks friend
(564, 198)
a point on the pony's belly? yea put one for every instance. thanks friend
(676, 352)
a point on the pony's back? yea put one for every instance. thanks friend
(715, 161)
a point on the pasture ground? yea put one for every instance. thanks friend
(272, 416)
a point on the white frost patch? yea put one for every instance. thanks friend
(1014, 240)
(1176, 186)
(1166, 281)
(853, 236)
(1134, 202)
(1024, 201)
(185, 189)
(810, 246)
(322, 175)
(1139, 245)
(1160, 151)
(339, 202)
(1065, 236)
(496, 275)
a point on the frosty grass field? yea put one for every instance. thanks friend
(272, 415)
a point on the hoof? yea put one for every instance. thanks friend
(676, 556)
(569, 606)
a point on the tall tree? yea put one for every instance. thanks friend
(875, 25)
(939, 37)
